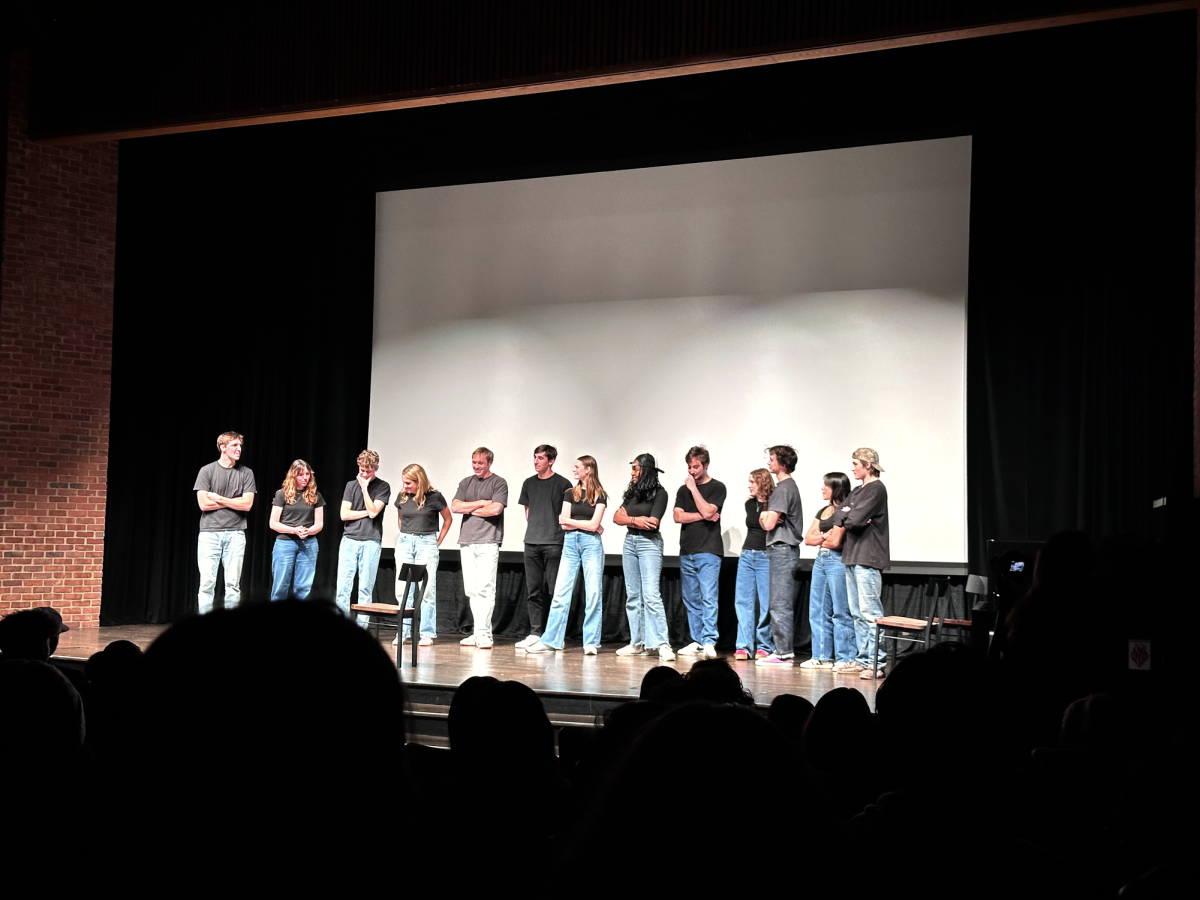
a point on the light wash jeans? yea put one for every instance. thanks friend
(293, 567)
(580, 548)
(863, 588)
(361, 557)
(753, 581)
(700, 573)
(220, 548)
(479, 562)
(782, 559)
(828, 612)
(642, 561)
(422, 549)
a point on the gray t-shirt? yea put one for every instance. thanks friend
(366, 528)
(785, 500)
(232, 482)
(482, 529)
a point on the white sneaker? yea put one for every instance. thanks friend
(665, 653)
(632, 650)
(539, 647)
(816, 664)
(710, 652)
(425, 642)
(483, 643)
(396, 640)
(468, 641)
(692, 649)
(590, 649)
(529, 641)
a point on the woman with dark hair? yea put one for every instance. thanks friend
(582, 512)
(641, 511)
(833, 642)
(418, 509)
(297, 515)
(754, 575)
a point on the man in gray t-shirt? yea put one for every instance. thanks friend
(782, 520)
(480, 500)
(225, 494)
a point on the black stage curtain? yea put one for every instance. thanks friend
(244, 275)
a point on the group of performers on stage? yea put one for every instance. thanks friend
(564, 522)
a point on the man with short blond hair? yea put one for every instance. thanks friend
(480, 500)
(364, 498)
(225, 494)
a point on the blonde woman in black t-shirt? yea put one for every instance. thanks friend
(582, 513)
(418, 510)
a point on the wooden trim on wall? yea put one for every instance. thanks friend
(597, 80)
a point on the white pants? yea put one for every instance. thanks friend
(479, 562)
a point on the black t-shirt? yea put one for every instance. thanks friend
(756, 538)
(543, 498)
(366, 528)
(296, 514)
(702, 536)
(864, 515)
(656, 507)
(423, 520)
(581, 510)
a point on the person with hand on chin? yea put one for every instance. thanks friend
(364, 498)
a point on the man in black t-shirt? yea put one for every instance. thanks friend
(698, 509)
(542, 497)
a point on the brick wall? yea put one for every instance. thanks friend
(56, 315)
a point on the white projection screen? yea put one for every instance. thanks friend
(815, 299)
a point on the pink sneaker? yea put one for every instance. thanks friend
(741, 653)
(760, 653)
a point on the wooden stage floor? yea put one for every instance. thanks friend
(447, 665)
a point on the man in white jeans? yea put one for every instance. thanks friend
(225, 493)
(480, 500)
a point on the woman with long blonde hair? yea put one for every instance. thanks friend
(754, 575)
(297, 516)
(582, 512)
(418, 509)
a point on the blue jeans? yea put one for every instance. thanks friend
(579, 547)
(220, 548)
(753, 581)
(293, 561)
(828, 612)
(782, 559)
(699, 573)
(642, 561)
(361, 557)
(422, 549)
(863, 587)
